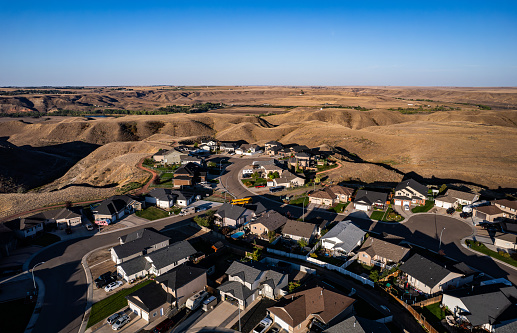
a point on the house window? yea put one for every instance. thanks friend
(154, 314)
(364, 255)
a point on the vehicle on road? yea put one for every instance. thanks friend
(163, 326)
(263, 325)
(200, 209)
(450, 211)
(242, 201)
(123, 320)
(88, 226)
(113, 318)
(196, 300)
(112, 286)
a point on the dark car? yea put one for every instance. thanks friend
(450, 211)
(163, 326)
(105, 279)
(465, 215)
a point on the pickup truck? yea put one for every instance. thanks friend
(263, 325)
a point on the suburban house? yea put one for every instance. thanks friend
(342, 239)
(497, 238)
(246, 281)
(157, 262)
(483, 306)
(410, 192)
(248, 149)
(172, 156)
(288, 179)
(331, 195)
(271, 147)
(182, 282)
(61, 217)
(8, 240)
(228, 146)
(297, 230)
(365, 200)
(354, 324)
(430, 277)
(453, 198)
(114, 208)
(270, 221)
(186, 159)
(183, 197)
(302, 160)
(508, 207)
(209, 145)
(25, 227)
(316, 307)
(271, 169)
(498, 211)
(232, 215)
(161, 197)
(138, 243)
(150, 302)
(188, 175)
(377, 252)
(248, 170)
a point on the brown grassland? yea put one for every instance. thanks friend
(459, 135)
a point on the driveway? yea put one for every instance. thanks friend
(217, 316)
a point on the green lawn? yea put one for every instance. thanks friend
(377, 215)
(46, 239)
(434, 314)
(483, 249)
(112, 304)
(331, 260)
(425, 208)
(301, 201)
(152, 213)
(340, 207)
(15, 315)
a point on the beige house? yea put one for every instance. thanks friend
(431, 278)
(376, 252)
(149, 302)
(488, 213)
(453, 198)
(270, 221)
(508, 207)
(288, 179)
(313, 307)
(331, 195)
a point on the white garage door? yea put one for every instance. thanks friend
(398, 202)
(443, 204)
(361, 207)
(282, 323)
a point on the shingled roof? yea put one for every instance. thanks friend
(426, 271)
(374, 246)
(319, 302)
(137, 241)
(148, 297)
(272, 220)
(356, 324)
(113, 205)
(180, 276)
(230, 211)
(300, 229)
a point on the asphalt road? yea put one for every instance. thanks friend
(65, 280)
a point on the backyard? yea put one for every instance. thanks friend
(152, 213)
(112, 304)
(434, 314)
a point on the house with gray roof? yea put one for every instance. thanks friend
(149, 302)
(25, 227)
(62, 217)
(228, 215)
(355, 324)
(288, 179)
(342, 239)
(431, 277)
(138, 243)
(247, 280)
(161, 197)
(483, 306)
(157, 262)
(297, 230)
(270, 221)
(182, 282)
(453, 198)
(409, 192)
(365, 200)
(114, 208)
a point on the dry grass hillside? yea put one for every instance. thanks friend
(454, 134)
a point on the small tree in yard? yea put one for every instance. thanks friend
(255, 255)
(443, 188)
(255, 175)
(293, 285)
(201, 221)
(210, 216)
(302, 242)
(374, 275)
(271, 234)
(211, 164)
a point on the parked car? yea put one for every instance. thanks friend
(123, 320)
(450, 211)
(274, 330)
(164, 326)
(406, 207)
(465, 215)
(259, 186)
(88, 226)
(112, 286)
(263, 325)
(113, 318)
(104, 279)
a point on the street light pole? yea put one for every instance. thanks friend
(441, 233)
(32, 270)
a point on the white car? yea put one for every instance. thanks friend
(263, 325)
(113, 286)
(120, 322)
(406, 207)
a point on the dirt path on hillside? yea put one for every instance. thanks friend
(146, 186)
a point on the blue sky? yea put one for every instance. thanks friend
(431, 43)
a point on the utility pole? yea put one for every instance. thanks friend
(32, 270)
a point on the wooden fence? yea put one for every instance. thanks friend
(418, 316)
(429, 301)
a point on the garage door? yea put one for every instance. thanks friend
(398, 202)
(361, 207)
(481, 215)
(282, 323)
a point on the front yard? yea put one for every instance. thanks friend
(151, 213)
(300, 201)
(250, 182)
(389, 216)
(339, 208)
(45, 239)
(425, 208)
(112, 304)
(480, 247)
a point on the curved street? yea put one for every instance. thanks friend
(65, 279)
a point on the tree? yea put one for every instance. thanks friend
(255, 175)
(443, 188)
(374, 275)
(196, 144)
(302, 242)
(317, 179)
(201, 221)
(211, 164)
(293, 285)
(276, 175)
(255, 255)
(271, 234)
(210, 216)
